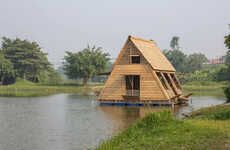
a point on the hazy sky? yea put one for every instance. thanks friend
(69, 25)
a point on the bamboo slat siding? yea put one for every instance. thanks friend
(115, 86)
(151, 61)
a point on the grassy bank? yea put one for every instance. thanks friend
(220, 112)
(205, 88)
(29, 89)
(162, 131)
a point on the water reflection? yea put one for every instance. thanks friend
(125, 115)
(67, 121)
(197, 102)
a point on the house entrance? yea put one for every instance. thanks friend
(132, 85)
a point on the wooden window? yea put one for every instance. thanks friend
(162, 80)
(135, 59)
(167, 78)
(132, 84)
(175, 80)
(170, 83)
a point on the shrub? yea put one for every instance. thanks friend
(219, 112)
(227, 93)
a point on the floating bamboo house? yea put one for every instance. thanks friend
(141, 75)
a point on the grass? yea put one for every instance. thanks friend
(162, 131)
(220, 112)
(28, 89)
(205, 88)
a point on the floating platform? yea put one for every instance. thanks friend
(128, 103)
(181, 100)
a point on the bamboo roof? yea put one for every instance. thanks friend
(152, 54)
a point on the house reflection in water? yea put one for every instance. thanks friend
(124, 116)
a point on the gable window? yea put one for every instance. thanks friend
(135, 59)
(170, 82)
(162, 80)
(175, 80)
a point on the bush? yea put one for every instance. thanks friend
(222, 75)
(207, 73)
(227, 93)
(219, 112)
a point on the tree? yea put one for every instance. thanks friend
(177, 58)
(50, 77)
(222, 74)
(86, 63)
(174, 44)
(227, 44)
(27, 58)
(6, 70)
(194, 62)
(227, 61)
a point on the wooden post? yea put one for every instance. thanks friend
(173, 104)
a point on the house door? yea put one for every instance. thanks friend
(132, 85)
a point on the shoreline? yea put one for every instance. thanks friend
(44, 90)
(36, 90)
(205, 128)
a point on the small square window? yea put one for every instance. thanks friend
(135, 59)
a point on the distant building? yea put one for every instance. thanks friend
(217, 60)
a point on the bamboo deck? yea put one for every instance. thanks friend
(137, 103)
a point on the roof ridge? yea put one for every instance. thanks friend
(137, 38)
(152, 54)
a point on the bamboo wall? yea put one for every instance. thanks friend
(130, 49)
(150, 85)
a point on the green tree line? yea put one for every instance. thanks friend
(192, 67)
(26, 60)
(182, 62)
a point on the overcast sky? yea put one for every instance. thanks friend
(69, 25)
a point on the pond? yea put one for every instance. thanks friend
(67, 121)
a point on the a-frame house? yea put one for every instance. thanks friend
(141, 74)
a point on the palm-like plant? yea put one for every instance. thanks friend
(86, 63)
